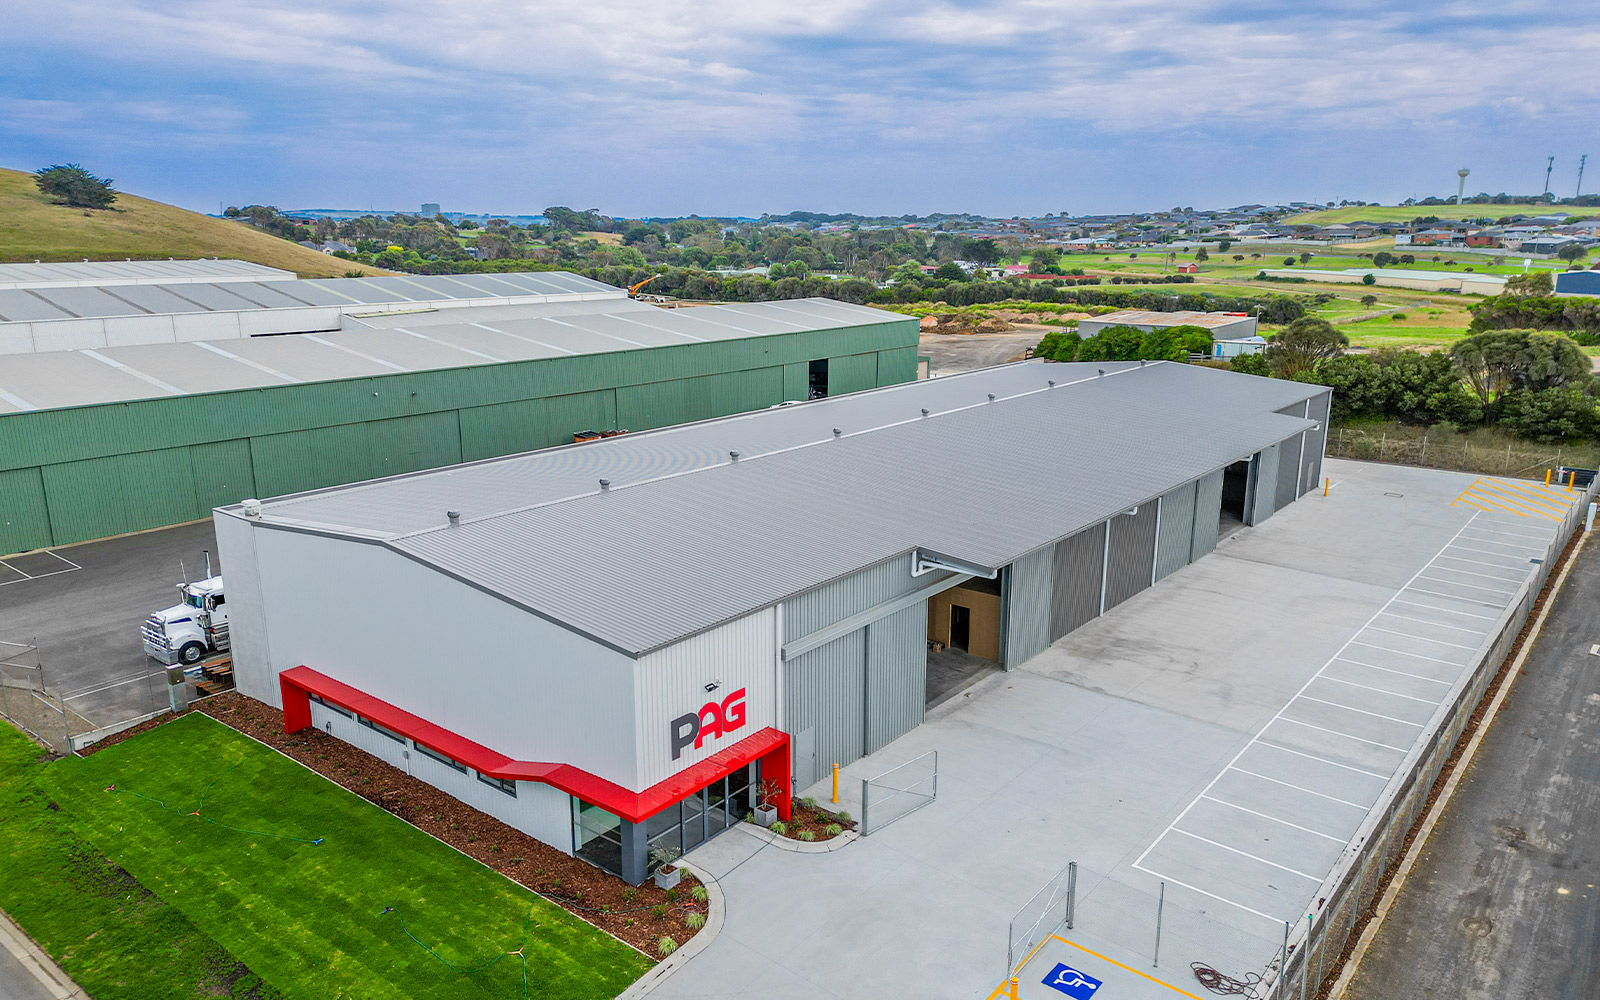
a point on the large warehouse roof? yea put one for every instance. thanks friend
(983, 467)
(32, 305)
(135, 272)
(397, 343)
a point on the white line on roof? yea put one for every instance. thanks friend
(214, 349)
(508, 333)
(445, 343)
(136, 373)
(350, 350)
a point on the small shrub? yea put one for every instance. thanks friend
(629, 921)
(658, 911)
(630, 894)
(455, 826)
(666, 946)
(806, 803)
(699, 894)
(832, 830)
(694, 921)
(779, 827)
(1398, 316)
(806, 835)
(672, 895)
(842, 816)
(517, 861)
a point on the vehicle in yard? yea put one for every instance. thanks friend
(188, 632)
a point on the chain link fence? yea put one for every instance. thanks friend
(1447, 449)
(25, 701)
(899, 791)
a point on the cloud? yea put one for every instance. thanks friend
(588, 94)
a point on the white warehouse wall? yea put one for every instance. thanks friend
(431, 645)
(671, 683)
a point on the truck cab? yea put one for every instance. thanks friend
(188, 632)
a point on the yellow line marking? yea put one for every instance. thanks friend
(1129, 968)
(1496, 486)
(1522, 506)
(1003, 987)
(1554, 496)
(1483, 499)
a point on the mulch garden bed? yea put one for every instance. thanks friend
(640, 915)
(806, 815)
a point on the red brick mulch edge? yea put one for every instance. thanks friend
(639, 915)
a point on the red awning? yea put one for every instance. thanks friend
(632, 806)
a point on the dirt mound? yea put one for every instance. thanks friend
(957, 324)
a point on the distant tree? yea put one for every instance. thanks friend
(949, 271)
(1501, 361)
(1534, 284)
(1369, 279)
(1573, 251)
(1382, 258)
(72, 185)
(1045, 260)
(1250, 364)
(1297, 349)
(1238, 256)
(1201, 255)
(1288, 262)
(1305, 257)
(1058, 345)
(1114, 343)
(1224, 246)
(1369, 300)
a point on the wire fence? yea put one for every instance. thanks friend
(25, 701)
(1047, 912)
(1447, 449)
(899, 792)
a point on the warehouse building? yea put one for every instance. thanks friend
(1221, 325)
(112, 273)
(610, 645)
(101, 440)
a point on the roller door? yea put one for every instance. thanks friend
(1207, 514)
(1079, 574)
(1133, 553)
(1027, 607)
(1264, 479)
(1289, 473)
(1175, 533)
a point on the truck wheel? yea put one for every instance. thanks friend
(191, 653)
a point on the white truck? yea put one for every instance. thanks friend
(188, 632)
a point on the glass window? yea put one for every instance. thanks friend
(597, 836)
(441, 758)
(330, 705)
(507, 785)
(379, 728)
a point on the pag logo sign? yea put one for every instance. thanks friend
(715, 718)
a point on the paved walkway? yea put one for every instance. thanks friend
(1091, 751)
(1505, 899)
(27, 973)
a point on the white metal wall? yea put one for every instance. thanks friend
(537, 809)
(822, 606)
(897, 674)
(671, 682)
(1264, 472)
(825, 694)
(440, 649)
(247, 625)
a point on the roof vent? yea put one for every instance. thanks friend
(252, 507)
(455, 518)
(605, 484)
(1049, 381)
(837, 432)
(991, 397)
(924, 411)
(733, 456)
(1102, 371)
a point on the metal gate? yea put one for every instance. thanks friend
(26, 702)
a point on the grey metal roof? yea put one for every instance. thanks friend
(135, 272)
(90, 301)
(686, 538)
(406, 342)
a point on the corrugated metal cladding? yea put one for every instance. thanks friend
(1027, 602)
(825, 704)
(1079, 573)
(1207, 514)
(1265, 477)
(1289, 473)
(897, 674)
(74, 474)
(1316, 442)
(1132, 554)
(1175, 537)
(821, 606)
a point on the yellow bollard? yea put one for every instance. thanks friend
(1326, 483)
(1011, 989)
(836, 784)
(1547, 477)
(1572, 477)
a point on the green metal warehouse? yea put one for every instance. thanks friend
(102, 440)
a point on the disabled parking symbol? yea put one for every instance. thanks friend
(1065, 979)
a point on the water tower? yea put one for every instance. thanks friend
(1461, 189)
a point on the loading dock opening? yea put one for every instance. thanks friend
(818, 388)
(963, 637)
(1235, 497)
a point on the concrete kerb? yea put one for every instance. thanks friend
(800, 846)
(717, 910)
(34, 959)
(1396, 884)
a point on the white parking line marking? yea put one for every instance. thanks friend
(1347, 736)
(1448, 611)
(1284, 822)
(1419, 638)
(1375, 715)
(1403, 652)
(1220, 899)
(1470, 586)
(1480, 562)
(1363, 806)
(1312, 756)
(1402, 673)
(26, 576)
(1369, 687)
(1424, 621)
(1491, 552)
(1454, 597)
(1486, 576)
(1246, 854)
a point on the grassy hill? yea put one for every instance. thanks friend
(1405, 213)
(32, 228)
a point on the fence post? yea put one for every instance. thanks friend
(1283, 962)
(1072, 892)
(1161, 905)
(865, 785)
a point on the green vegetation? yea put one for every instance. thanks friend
(33, 227)
(70, 184)
(106, 930)
(376, 909)
(1405, 213)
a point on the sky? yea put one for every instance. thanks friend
(739, 107)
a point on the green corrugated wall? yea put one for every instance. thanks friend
(87, 472)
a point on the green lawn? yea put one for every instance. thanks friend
(310, 918)
(1405, 213)
(113, 937)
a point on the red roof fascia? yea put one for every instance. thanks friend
(632, 806)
